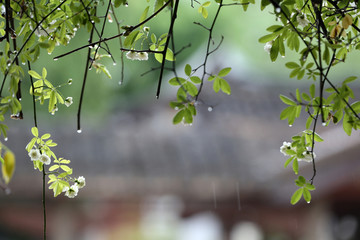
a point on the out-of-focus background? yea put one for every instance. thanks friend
(220, 179)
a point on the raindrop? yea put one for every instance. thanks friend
(283, 56)
(5, 139)
(7, 191)
(308, 201)
(210, 109)
(278, 10)
(120, 82)
(92, 21)
(79, 131)
(70, 81)
(53, 113)
(75, 29)
(176, 108)
(290, 125)
(49, 53)
(324, 124)
(126, 4)
(23, 63)
(114, 63)
(55, 59)
(91, 46)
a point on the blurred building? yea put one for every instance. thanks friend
(220, 179)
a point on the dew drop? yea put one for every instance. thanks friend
(91, 46)
(53, 113)
(120, 82)
(114, 63)
(5, 139)
(176, 108)
(324, 124)
(126, 4)
(308, 202)
(278, 10)
(210, 109)
(290, 125)
(79, 131)
(283, 56)
(23, 63)
(55, 59)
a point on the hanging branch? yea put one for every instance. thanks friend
(25, 42)
(84, 82)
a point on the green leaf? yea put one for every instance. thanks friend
(44, 73)
(292, 65)
(287, 100)
(34, 74)
(288, 161)
(191, 88)
(349, 79)
(206, 4)
(169, 55)
(144, 14)
(66, 168)
(53, 168)
(188, 70)
(179, 117)
(312, 90)
(274, 51)
(307, 195)
(310, 186)
(295, 166)
(216, 85)
(195, 79)
(45, 136)
(52, 101)
(296, 196)
(223, 72)
(35, 131)
(347, 125)
(268, 38)
(177, 81)
(225, 87)
(188, 116)
(129, 40)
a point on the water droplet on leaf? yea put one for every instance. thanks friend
(278, 10)
(210, 109)
(324, 124)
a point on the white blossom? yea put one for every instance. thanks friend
(34, 154)
(307, 156)
(68, 101)
(286, 146)
(268, 46)
(143, 56)
(80, 182)
(132, 55)
(45, 159)
(302, 20)
(71, 191)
